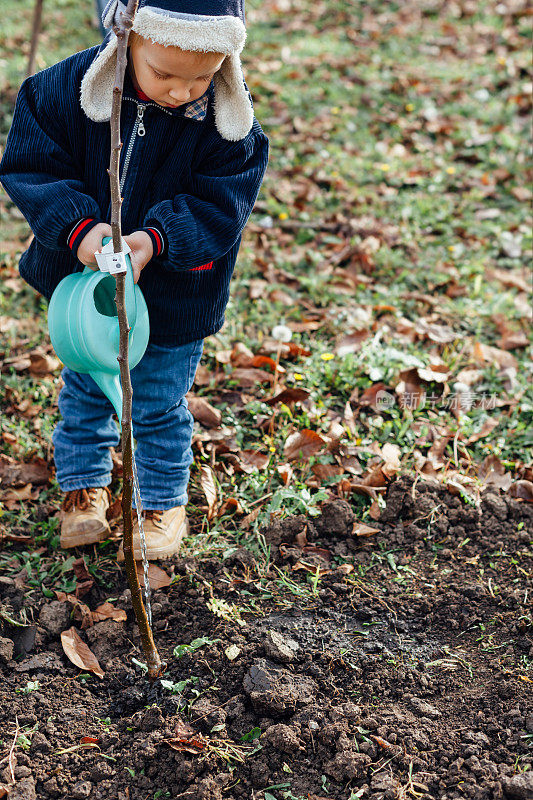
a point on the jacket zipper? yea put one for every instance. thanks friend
(138, 130)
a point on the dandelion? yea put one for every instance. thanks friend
(335, 110)
(272, 449)
(502, 60)
(409, 107)
(451, 248)
(298, 376)
(281, 333)
(327, 356)
(450, 170)
(383, 167)
(283, 215)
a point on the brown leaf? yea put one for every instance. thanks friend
(345, 569)
(371, 396)
(410, 389)
(351, 343)
(325, 471)
(255, 459)
(16, 495)
(157, 577)
(375, 478)
(441, 334)
(303, 444)
(290, 395)
(522, 490)
(230, 505)
(360, 529)
(108, 611)
(89, 740)
(484, 352)
(207, 482)
(241, 355)
(391, 455)
(80, 569)
(285, 472)
(42, 364)
(203, 412)
(77, 651)
(510, 279)
(193, 746)
(487, 428)
(248, 376)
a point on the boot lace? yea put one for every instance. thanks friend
(82, 499)
(155, 516)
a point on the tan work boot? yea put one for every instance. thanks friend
(163, 530)
(83, 517)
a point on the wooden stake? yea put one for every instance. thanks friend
(122, 31)
(35, 31)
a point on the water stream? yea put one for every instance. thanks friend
(140, 519)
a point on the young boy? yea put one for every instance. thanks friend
(191, 166)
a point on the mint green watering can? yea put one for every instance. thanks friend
(83, 326)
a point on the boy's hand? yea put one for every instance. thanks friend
(91, 243)
(142, 250)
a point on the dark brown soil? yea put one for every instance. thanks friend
(406, 677)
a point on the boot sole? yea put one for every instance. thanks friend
(155, 553)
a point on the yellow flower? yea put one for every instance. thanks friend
(335, 110)
(409, 107)
(450, 170)
(283, 215)
(327, 356)
(272, 449)
(298, 377)
(383, 167)
(502, 60)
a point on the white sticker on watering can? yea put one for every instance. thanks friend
(111, 262)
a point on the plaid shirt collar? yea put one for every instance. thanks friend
(197, 109)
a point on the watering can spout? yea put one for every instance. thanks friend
(109, 383)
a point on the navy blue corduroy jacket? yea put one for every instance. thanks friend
(182, 178)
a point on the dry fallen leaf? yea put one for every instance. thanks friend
(157, 577)
(290, 395)
(360, 529)
(522, 490)
(203, 412)
(108, 611)
(207, 482)
(303, 444)
(77, 651)
(43, 364)
(15, 473)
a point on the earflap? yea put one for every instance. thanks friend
(108, 14)
(234, 114)
(96, 96)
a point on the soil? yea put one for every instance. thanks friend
(399, 669)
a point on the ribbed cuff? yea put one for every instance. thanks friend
(75, 233)
(158, 239)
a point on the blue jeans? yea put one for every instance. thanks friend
(162, 427)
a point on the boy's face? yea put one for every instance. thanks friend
(170, 76)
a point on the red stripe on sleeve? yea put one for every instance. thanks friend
(203, 266)
(78, 229)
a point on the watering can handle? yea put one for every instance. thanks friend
(131, 305)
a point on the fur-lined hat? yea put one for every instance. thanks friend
(211, 26)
